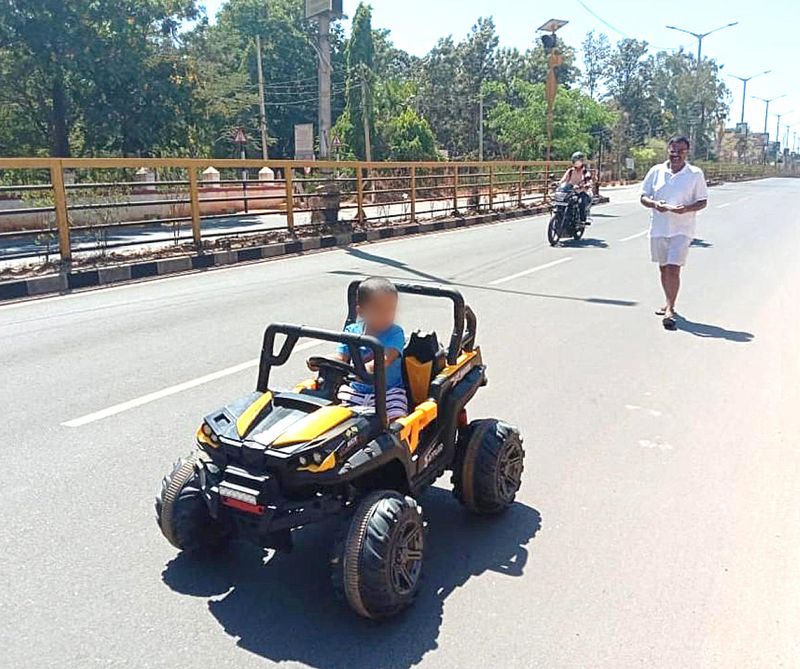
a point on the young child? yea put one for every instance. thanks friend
(377, 307)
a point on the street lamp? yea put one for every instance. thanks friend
(744, 81)
(554, 60)
(767, 101)
(700, 37)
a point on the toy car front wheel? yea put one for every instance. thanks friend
(377, 559)
(488, 469)
(181, 511)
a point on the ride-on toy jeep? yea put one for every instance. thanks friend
(274, 461)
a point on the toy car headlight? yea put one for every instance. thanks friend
(317, 458)
(206, 436)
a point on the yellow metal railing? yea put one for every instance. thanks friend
(365, 192)
(61, 198)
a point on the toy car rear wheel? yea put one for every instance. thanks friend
(182, 513)
(552, 230)
(376, 564)
(487, 473)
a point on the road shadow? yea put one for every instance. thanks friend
(711, 331)
(361, 254)
(701, 244)
(604, 215)
(285, 611)
(611, 302)
(584, 243)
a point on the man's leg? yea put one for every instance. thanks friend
(671, 282)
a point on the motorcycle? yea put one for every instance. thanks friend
(566, 218)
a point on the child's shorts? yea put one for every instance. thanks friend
(396, 400)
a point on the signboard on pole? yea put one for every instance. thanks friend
(317, 7)
(304, 141)
(240, 138)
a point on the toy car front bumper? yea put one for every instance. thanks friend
(256, 510)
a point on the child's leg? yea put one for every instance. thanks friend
(396, 403)
(349, 397)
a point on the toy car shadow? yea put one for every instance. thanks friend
(284, 611)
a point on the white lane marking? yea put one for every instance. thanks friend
(172, 390)
(722, 206)
(638, 234)
(505, 279)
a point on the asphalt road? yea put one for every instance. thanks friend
(658, 525)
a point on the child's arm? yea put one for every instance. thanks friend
(390, 356)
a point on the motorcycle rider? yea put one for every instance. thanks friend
(580, 178)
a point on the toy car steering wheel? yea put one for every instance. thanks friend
(320, 363)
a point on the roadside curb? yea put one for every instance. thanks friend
(66, 282)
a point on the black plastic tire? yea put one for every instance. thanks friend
(579, 230)
(376, 563)
(182, 513)
(488, 469)
(552, 232)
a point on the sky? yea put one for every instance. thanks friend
(765, 39)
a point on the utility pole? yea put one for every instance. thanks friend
(365, 116)
(480, 127)
(262, 101)
(324, 23)
(700, 37)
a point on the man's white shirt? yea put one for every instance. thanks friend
(684, 188)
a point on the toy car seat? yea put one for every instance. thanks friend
(423, 360)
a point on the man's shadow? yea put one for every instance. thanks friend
(712, 331)
(285, 611)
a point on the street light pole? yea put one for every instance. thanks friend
(700, 37)
(744, 81)
(766, 113)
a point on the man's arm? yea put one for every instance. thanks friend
(658, 205)
(688, 208)
(700, 197)
(646, 197)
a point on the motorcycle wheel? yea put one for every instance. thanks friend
(552, 231)
(580, 228)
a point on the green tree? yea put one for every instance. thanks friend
(691, 101)
(225, 65)
(521, 127)
(409, 137)
(70, 58)
(596, 54)
(360, 81)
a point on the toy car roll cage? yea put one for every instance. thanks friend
(462, 338)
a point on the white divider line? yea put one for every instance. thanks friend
(722, 206)
(505, 279)
(638, 234)
(172, 390)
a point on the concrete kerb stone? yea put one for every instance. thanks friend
(311, 243)
(225, 258)
(47, 284)
(172, 265)
(117, 274)
(273, 250)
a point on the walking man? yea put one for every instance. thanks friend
(675, 191)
